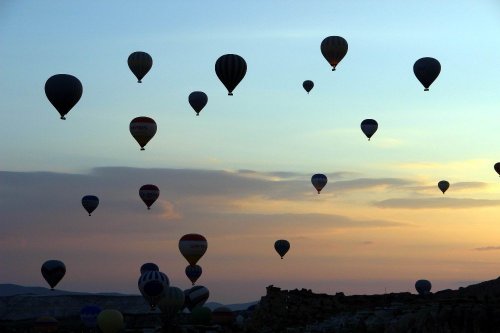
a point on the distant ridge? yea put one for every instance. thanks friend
(9, 289)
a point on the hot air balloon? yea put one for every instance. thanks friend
(46, 324)
(198, 100)
(223, 316)
(88, 315)
(90, 203)
(443, 185)
(497, 167)
(149, 266)
(149, 193)
(369, 127)
(53, 271)
(193, 272)
(334, 49)
(423, 287)
(193, 247)
(110, 321)
(153, 285)
(319, 181)
(230, 69)
(63, 91)
(142, 129)
(282, 246)
(172, 302)
(201, 315)
(196, 297)
(140, 63)
(426, 70)
(308, 85)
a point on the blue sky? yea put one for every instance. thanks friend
(270, 124)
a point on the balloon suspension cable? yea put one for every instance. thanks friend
(63, 118)
(230, 94)
(426, 89)
(142, 148)
(333, 67)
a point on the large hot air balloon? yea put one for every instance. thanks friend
(196, 297)
(149, 266)
(53, 271)
(142, 129)
(334, 49)
(423, 287)
(193, 247)
(198, 100)
(319, 181)
(63, 91)
(193, 272)
(282, 246)
(110, 321)
(172, 302)
(497, 167)
(201, 315)
(88, 315)
(230, 69)
(308, 85)
(426, 70)
(443, 185)
(90, 203)
(140, 63)
(149, 193)
(369, 127)
(153, 285)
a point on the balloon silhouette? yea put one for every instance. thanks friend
(308, 85)
(63, 91)
(172, 302)
(198, 100)
(319, 181)
(142, 129)
(443, 185)
(426, 70)
(110, 321)
(140, 63)
(282, 246)
(230, 69)
(153, 285)
(149, 266)
(149, 193)
(497, 167)
(423, 287)
(53, 271)
(334, 49)
(193, 247)
(193, 272)
(369, 127)
(90, 203)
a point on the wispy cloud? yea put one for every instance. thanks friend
(435, 203)
(487, 248)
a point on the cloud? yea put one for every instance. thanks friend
(435, 203)
(487, 248)
(367, 183)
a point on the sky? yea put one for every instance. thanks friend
(240, 172)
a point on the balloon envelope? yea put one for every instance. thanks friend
(230, 69)
(443, 185)
(172, 302)
(369, 127)
(53, 271)
(334, 49)
(319, 181)
(282, 246)
(140, 63)
(497, 167)
(153, 285)
(149, 193)
(110, 321)
(63, 91)
(193, 247)
(308, 85)
(423, 287)
(201, 316)
(142, 129)
(193, 272)
(88, 315)
(90, 203)
(198, 100)
(426, 70)
(149, 266)
(196, 297)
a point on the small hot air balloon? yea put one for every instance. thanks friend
(196, 297)
(149, 266)
(443, 185)
(153, 285)
(63, 91)
(149, 193)
(423, 287)
(53, 271)
(88, 315)
(426, 70)
(110, 321)
(497, 167)
(193, 247)
(193, 272)
(140, 63)
(142, 129)
(230, 69)
(282, 246)
(198, 100)
(308, 85)
(172, 302)
(319, 181)
(369, 127)
(334, 49)
(90, 203)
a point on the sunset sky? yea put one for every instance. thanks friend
(240, 172)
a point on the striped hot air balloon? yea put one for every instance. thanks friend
(149, 193)
(140, 63)
(196, 297)
(63, 91)
(334, 49)
(149, 266)
(142, 129)
(230, 69)
(153, 285)
(193, 247)
(198, 100)
(90, 203)
(172, 302)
